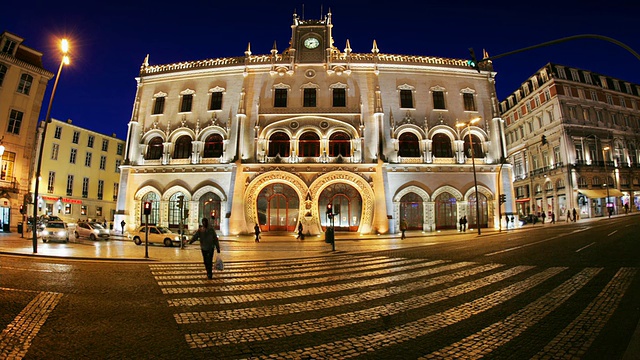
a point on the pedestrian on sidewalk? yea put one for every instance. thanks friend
(544, 216)
(256, 229)
(464, 223)
(122, 224)
(208, 243)
(575, 214)
(300, 231)
(568, 215)
(403, 227)
(553, 217)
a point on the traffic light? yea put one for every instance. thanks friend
(147, 208)
(503, 198)
(473, 62)
(21, 209)
(544, 140)
(181, 201)
(329, 209)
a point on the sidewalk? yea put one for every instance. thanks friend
(243, 247)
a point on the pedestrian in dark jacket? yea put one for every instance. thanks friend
(256, 229)
(300, 231)
(208, 243)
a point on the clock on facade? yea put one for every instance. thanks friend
(311, 43)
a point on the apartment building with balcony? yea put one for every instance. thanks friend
(573, 138)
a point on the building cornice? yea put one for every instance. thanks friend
(12, 60)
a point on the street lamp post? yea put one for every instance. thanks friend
(64, 46)
(473, 164)
(606, 179)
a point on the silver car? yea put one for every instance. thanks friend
(157, 235)
(91, 230)
(55, 230)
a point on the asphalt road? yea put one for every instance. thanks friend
(556, 291)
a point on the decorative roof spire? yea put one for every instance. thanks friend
(274, 50)
(248, 51)
(347, 49)
(375, 49)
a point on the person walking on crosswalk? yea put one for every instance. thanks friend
(208, 243)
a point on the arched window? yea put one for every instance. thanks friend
(213, 146)
(596, 181)
(279, 144)
(477, 147)
(174, 209)
(309, 144)
(408, 145)
(155, 204)
(182, 147)
(560, 184)
(154, 149)
(339, 144)
(442, 146)
(582, 182)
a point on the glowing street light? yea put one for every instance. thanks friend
(606, 178)
(473, 164)
(64, 47)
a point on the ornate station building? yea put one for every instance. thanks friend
(273, 139)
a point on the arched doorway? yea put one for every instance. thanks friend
(446, 211)
(412, 210)
(484, 217)
(278, 206)
(347, 207)
(209, 207)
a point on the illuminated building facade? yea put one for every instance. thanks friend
(569, 132)
(80, 173)
(23, 82)
(273, 139)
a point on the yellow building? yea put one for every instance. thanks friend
(276, 139)
(23, 82)
(80, 173)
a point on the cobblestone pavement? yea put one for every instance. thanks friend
(379, 305)
(383, 307)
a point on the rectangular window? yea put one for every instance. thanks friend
(309, 97)
(98, 210)
(216, 101)
(469, 102)
(103, 162)
(87, 160)
(594, 96)
(58, 133)
(55, 148)
(622, 102)
(52, 179)
(280, 98)
(339, 97)
(116, 186)
(118, 162)
(15, 121)
(119, 149)
(69, 185)
(587, 78)
(76, 137)
(9, 46)
(599, 116)
(83, 209)
(547, 95)
(100, 189)
(158, 105)
(85, 187)
(406, 99)
(72, 156)
(8, 161)
(574, 75)
(438, 100)
(67, 209)
(90, 141)
(579, 152)
(105, 145)
(187, 101)
(3, 72)
(24, 87)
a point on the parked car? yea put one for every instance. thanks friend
(91, 230)
(55, 230)
(157, 235)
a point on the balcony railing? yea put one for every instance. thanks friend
(9, 184)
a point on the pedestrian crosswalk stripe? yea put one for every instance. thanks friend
(501, 332)
(286, 283)
(578, 336)
(316, 290)
(318, 304)
(370, 342)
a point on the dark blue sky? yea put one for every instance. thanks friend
(110, 40)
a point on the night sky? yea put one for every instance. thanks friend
(110, 40)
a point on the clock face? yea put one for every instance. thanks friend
(311, 43)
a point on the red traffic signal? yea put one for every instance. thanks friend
(147, 208)
(329, 209)
(22, 209)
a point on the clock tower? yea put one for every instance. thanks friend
(311, 39)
